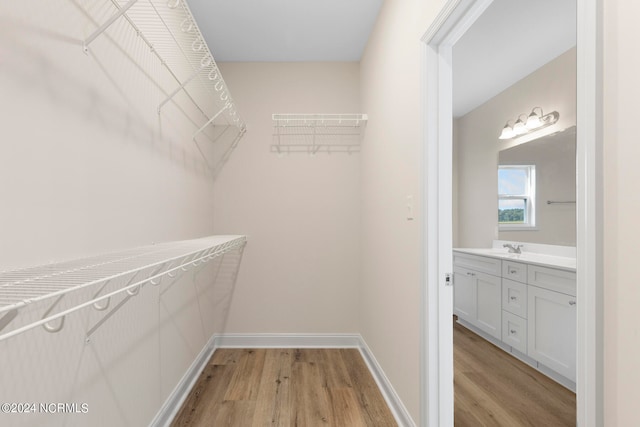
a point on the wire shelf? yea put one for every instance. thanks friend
(141, 266)
(168, 29)
(313, 133)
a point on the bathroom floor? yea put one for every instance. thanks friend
(285, 387)
(496, 389)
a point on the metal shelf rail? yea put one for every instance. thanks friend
(170, 32)
(312, 133)
(129, 270)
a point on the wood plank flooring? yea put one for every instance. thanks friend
(285, 387)
(333, 387)
(493, 388)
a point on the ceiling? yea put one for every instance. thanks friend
(509, 41)
(286, 30)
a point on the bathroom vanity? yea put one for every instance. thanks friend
(524, 303)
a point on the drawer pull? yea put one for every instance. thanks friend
(514, 298)
(513, 271)
(572, 303)
(513, 332)
(470, 273)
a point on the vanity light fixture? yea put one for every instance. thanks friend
(535, 121)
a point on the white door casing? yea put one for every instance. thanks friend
(453, 21)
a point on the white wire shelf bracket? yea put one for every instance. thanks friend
(312, 133)
(168, 29)
(135, 268)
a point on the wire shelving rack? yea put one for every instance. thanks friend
(313, 133)
(170, 32)
(128, 270)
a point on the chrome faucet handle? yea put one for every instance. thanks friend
(513, 248)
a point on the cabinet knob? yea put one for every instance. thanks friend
(572, 303)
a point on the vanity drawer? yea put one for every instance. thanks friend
(552, 279)
(514, 297)
(514, 331)
(482, 264)
(515, 271)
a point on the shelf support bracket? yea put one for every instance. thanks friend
(215, 116)
(7, 318)
(107, 24)
(106, 317)
(179, 88)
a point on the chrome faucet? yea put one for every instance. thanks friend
(513, 248)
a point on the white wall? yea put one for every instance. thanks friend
(87, 166)
(81, 175)
(392, 169)
(301, 213)
(621, 92)
(551, 87)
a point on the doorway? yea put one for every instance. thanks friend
(455, 19)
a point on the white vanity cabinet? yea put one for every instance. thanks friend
(478, 292)
(525, 308)
(552, 320)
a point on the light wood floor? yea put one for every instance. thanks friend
(333, 387)
(493, 388)
(285, 387)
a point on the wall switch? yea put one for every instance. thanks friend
(410, 215)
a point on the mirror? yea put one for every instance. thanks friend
(537, 190)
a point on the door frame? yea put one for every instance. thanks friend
(436, 383)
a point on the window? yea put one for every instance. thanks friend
(516, 197)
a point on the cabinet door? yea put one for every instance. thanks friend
(464, 294)
(489, 304)
(552, 330)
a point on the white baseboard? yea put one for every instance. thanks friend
(287, 341)
(174, 402)
(396, 406)
(180, 393)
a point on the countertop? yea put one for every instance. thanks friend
(544, 260)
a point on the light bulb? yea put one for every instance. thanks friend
(507, 132)
(533, 121)
(519, 127)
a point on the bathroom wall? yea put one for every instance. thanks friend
(301, 212)
(88, 166)
(551, 87)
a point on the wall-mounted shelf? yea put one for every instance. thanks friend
(101, 277)
(312, 133)
(170, 32)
